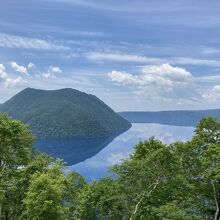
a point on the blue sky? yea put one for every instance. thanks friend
(134, 55)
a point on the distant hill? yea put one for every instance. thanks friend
(178, 118)
(64, 113)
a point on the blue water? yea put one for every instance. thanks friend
(97, 166)
(73, 150)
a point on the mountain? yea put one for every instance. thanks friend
(178, 118)
(64, 113)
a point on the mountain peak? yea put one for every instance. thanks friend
(64, 113)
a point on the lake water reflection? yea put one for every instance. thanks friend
(73, 150)
(97, 166)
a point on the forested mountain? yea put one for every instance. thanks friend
(178, 118)
(64, 113)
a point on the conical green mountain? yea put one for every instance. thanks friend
(64, 113)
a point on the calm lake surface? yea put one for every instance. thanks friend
(97, 166)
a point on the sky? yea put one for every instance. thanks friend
(134, 55)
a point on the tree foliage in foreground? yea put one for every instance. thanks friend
(180, 181)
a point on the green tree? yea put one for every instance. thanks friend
(199, 162)
(142, 182)
(173, 211)
(149, 175)
(158, 181)
(16, 145)
(102, 199)
(45, 196)
(74, 182)
(85, 204)
(180, 181)
(207, 146)
(16, 151)
(28, 177)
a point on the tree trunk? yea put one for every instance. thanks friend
(217, 211)
(1, 202)
(217, 214)
(6, 216)
(143, 196)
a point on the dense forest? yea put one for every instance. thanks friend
(180, 181)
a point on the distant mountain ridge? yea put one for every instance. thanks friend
(64, 113)
(177, 118)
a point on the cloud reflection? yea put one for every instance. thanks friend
(122, 146)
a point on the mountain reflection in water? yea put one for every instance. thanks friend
(97, 166)
(92, 157)
(74, 150)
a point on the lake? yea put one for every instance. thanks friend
(119, 148)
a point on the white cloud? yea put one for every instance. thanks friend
(55, 69)
(47, 75)
(52, 71)
(212, 95)
(216, 88)
(97, 56)
(14, 41)
(168, 72)
(209, 50)
(3, 74)
(8, 81)
(11, 82)
(194, 61)
(159, 82)
(116, 158)
(130, 6)
(205, 79)
(31, 65)
(121, 58)
(124, 78)
(20, 69)
(160, 75)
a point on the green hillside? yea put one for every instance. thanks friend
(64, 113)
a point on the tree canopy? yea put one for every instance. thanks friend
(179, 181)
